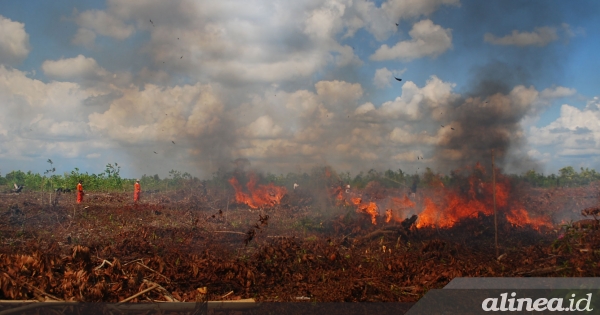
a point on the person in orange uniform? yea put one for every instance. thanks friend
(137, 190)
(80, 192)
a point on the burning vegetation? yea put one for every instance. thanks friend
(257, 196)
(388, 239)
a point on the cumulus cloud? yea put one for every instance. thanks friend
(264, 127)
(540, 36)
(557, 92)
(383, 77)
(380, 21)
(78, 67)
(103, 23)
(428, 40)
(414, 101)
(274, 83)
(42, 118)
(14, 42)
(576, 130)
(84, 37)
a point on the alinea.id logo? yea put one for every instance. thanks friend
(541, 304)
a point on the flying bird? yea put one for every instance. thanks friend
(451, 128)
(181, 57)
(173, 141)
(442, 126)
(396, 24)
(155, 152)
(397, 79)
(151, 22)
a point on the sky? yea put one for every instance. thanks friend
(289, 85)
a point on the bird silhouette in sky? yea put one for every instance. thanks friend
(396, 24)
(155, 152)
(451, 128)
(151, 22)
(173, 141)
(397, 79)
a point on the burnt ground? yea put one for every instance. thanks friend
(107, 248)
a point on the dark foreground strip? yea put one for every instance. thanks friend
(206, 308)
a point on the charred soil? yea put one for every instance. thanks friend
(108, 248)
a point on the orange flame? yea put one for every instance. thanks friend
(520, 217)
(370, 209)
(259, 195)
(478, 199)
(450, 205)
(397, 208)
(388, 215)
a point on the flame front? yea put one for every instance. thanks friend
(468, 197)
(370, 209)
(455, 206)
(258, 195)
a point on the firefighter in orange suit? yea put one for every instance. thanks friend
(137, 190)
(80, 192)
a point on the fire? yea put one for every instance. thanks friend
(388, 215)
(370, 208)
(467, 198)
(397, 208)
(520, 217)
(259, 195)
(455, 206)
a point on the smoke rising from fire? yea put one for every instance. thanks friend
(488, 118)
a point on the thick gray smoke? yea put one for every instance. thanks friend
(485, 119)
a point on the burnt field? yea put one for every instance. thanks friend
(283, 244)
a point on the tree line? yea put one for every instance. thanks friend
(318, 177)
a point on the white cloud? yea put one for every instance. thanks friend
(364, 108)
(575, 132)
(14, 42)
(338, 91)
(541, 36)
(41, 118)
(75, 68)
(413, 100)
(593, 104)
(428, 40)
(557, 92)
(382, 78)
(103, 23)
(84, 37)
(264, 127)
(380, 21)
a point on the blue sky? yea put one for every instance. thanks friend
(290, 85)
